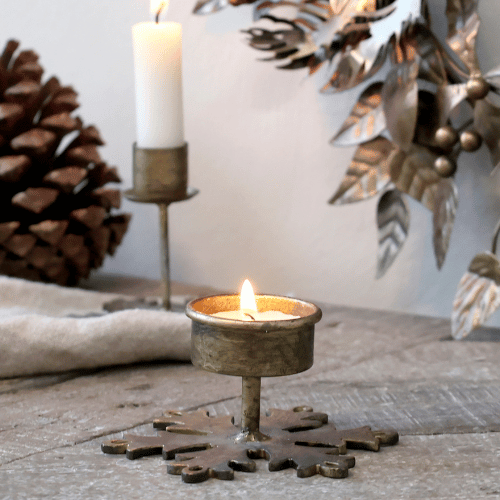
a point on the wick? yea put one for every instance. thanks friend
(157, 17)
(247, 314)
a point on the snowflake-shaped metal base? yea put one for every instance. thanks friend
(203, 446)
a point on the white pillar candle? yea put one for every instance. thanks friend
(158, 84)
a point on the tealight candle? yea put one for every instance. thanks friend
(248, 309)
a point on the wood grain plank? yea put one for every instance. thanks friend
(419, 467)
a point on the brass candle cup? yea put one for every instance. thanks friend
(252, 349)
(160, 174)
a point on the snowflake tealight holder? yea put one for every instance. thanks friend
(202, 447)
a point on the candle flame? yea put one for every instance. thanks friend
(157, 6)
(247, 297)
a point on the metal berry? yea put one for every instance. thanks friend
(444, 166)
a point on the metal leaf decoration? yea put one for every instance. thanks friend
(493, 78)
(353, 69)
(210, 6)
(415, 176)
(448, 98)
(445, 208)
(432, 58)
(463, 26)
(393, 221)
(404, 123)
(366, 121)
(369, 171)
(400, 96)
(478, 295)
(487, 123)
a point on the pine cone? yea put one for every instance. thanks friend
(55, 210)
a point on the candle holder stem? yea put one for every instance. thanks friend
(160, 177)
(165, 255)
(250, 411)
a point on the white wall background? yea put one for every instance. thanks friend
(259, 154)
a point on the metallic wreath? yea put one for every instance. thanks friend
(404, 123)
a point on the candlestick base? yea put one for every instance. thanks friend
(203, 447)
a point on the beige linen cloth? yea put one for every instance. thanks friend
(37, 336)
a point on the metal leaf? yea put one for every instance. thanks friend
(415, 176)
(393, 221)
(400, 97)
(418, 39)
(316, 8)
(366, 121)
(295, 44)
(369, 171)
(352, 69)
(445, 208)
(487, 124)
(448, 98)
(463, 25)
(278, 41)
(493, 78)
(339, 5)
(309, 14)
(359, 13)
(478, 295)
(209, 6)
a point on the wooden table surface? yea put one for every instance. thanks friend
(382, 369)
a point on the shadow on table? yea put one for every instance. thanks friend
(482, 334)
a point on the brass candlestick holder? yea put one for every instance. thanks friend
(160, 177)
(203, 446)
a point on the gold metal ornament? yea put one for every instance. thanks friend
(444, 166)
(478, 293)
(470, 141)
(477, 88)
(403, 121)
(446, 137)
(393, 221)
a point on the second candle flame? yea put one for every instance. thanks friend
(247, 297)
(157, 6)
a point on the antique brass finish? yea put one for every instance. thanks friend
(204, 447)
(160, 177)
(477, 88)
(161, 172)
(446, 137)
(250, 411)
(444, 166)
(252, 349)
(470, 141)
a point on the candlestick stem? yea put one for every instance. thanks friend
(250, 410)
(164, 255)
